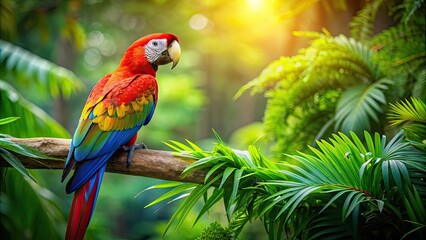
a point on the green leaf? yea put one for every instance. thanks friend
(212, 200)
(380, 204)
(385, 173)
(360, 103)
(213, 170)
(235, 186)
(396, 174)
(43, 209)
(34, 122)
(14, 162)
(23, 150)
(181, 213)
(47, 76)
(294, 202)
(217, 137)
(334, 198)
(226, 173)
(8, 120)
(177, 190)
(202, 163)
(406, 111)
(352, 201)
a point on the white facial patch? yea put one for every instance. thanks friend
(154, 48)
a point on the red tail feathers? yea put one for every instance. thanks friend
(82, 207)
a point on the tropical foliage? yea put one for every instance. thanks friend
(343, 188)
(39, 92)
(45, 212)
(353, 185)
(410, 116)
(26, 70)
(344, 81)
(28, 78)
(17, 193)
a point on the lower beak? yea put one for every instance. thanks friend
(172, 54)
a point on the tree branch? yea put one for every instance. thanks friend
(148, 163)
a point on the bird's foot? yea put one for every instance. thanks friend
(131, 150)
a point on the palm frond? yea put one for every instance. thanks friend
(406, 111)
(33, 120)
(412, 117)
(26, 67)
(339, 182)
(359, 104)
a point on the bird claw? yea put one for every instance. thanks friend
(131, 150)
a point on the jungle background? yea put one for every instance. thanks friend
(244, 72)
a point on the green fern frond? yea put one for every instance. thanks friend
(281, 71)
(362, 25)
(26, 67)
(295, 86)
(401, 50)
(410, 11)
(343, 55)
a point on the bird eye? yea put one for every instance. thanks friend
(155, 43)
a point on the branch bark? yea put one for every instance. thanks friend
(147, 163)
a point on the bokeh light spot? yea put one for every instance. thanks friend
(92, 56)
(198, 22)
(95, 39)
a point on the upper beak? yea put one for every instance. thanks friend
(172, 54)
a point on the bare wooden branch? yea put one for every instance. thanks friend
(148, 163)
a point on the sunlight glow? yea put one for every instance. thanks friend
(256, 5)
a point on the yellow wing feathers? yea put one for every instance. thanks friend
(110, 116)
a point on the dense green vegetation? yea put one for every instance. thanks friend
(340, 152)
(354, 184)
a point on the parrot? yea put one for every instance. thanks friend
(117, 107)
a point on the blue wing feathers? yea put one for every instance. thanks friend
(151, 113)
(81, 152)
(81, 131)
(85, 169)
(98, 146)
(84, 172)
(91, 147)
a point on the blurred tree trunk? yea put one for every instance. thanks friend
(66, 56)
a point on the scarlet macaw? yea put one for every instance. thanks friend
(117, 107)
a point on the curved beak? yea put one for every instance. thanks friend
(172, 54)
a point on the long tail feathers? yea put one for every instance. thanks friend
(82, 207)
